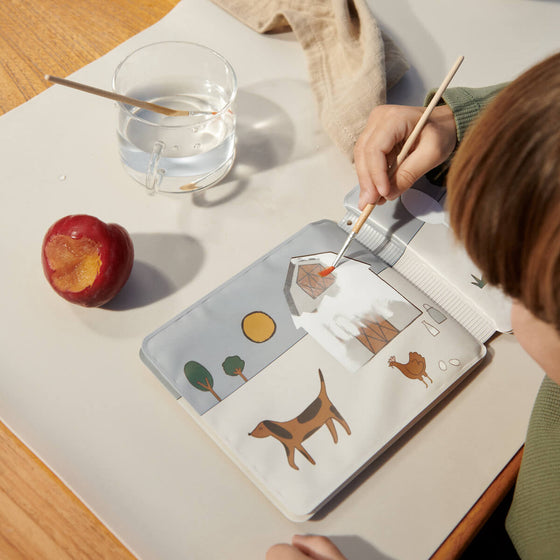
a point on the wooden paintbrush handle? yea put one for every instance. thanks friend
(363, 217)
(125, 98)
(412, 138)
(111, 95)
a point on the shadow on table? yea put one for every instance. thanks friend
(163, 263)
(354, 547)
(412, 88)
(493, 541)
(277, 123)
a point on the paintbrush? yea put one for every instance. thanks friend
(126, 99)
(400, 158)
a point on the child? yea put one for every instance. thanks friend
(504, 206)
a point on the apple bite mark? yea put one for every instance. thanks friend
(85, 260)
(75, 262)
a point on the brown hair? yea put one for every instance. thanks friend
(504, 191)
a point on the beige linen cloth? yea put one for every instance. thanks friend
(351, 62)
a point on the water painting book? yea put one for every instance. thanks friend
(304, 380)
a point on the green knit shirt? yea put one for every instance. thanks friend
(533, 521)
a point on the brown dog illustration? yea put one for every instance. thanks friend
(293, 433)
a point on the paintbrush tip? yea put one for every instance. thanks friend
(326, 271)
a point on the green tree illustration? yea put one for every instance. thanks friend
(478, 282)
(200, 377)
(233, 365)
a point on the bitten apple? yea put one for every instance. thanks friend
(85, 260)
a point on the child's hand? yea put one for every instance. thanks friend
(306, 547)
(386, 131)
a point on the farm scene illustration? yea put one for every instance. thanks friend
(228, 358)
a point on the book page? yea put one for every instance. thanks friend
(302, 399)
(352, 312)
(411, 234)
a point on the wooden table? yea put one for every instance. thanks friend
(39, 516)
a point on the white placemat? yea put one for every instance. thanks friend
(72, 386)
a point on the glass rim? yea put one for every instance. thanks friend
(195, 120)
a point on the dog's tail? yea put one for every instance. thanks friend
(323, 391)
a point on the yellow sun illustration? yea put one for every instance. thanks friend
(258, 326)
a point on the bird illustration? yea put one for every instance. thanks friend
(414, 369)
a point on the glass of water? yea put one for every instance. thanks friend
(177, 154)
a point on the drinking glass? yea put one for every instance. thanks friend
(177, 154)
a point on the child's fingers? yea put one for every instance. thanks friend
(317, 547)
(285, 552)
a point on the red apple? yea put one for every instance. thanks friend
(85, 260)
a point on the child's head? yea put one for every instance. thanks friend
(504, 191)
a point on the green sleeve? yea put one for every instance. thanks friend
(467, 103)
(533, 522)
